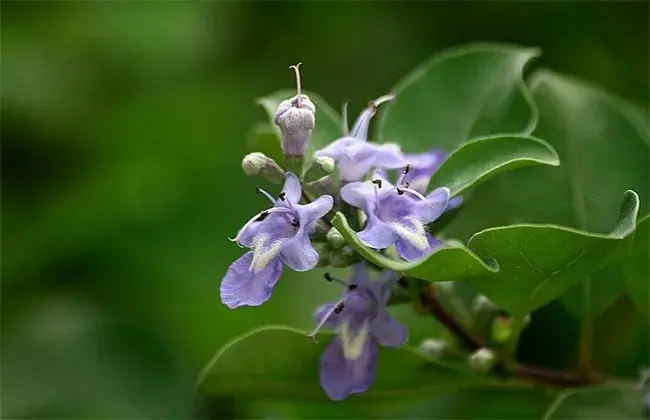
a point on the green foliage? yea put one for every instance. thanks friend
(479, 160)
(598, 403)
(243, 368)
(636, 268)
(460, 94)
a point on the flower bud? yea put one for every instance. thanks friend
(261, 165)
(434, 348)
(344, 257)
(334, 239)
(320, 167)
(296, 119)
(482, 360)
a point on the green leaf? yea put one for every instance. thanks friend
(540, 262)
(282, 362)
(597, 403)
(263, 138)
(605, 287)
(450, 262)
(459, 94)
(636, 268)
(328, 125)
(481, 159)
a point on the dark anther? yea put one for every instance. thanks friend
(295, 223)
(407, 169)
(258, 190)
(377, 182)
(339, 308)
(328, 277)
(400, 192)
(352, 287)
(406, 184)
(281, 196)
(263, 215)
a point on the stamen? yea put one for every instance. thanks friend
(337, 308)
(406, 170)
(377, 182)
(298, 87)
(259, 190)
(399, 192)
(352, 286)
(411, 191)
(282, 195)
(331, 279)
(263, 215)
(295, 223)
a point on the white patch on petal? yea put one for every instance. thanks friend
(263, 254)
(352, 345)
(413, 233)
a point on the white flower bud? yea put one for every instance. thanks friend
(258, 164)
(482, 360)
(433, 347)
(320, 167)
(296, 119)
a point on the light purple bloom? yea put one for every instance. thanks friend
(355, 155)
(277, 236)
(361, 321)
(396, 214)
(422, 168)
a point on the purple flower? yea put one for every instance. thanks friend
(361, 321)
(355, 155)
(396, 214)
(277, 236)
(422, 168)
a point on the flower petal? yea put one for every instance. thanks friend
(274, 226)
(377, 234)
(387, 331)
(298, 252)
(410, 253)
(337, 148)
(411, 231)
(389, 156)
(340, 377)
(310, 213)
(454, 203)
(435, 204)
(352, 170)
(360, 275)
(362, 195)
(292, 190)
(243, 287)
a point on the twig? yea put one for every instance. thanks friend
(536, 374)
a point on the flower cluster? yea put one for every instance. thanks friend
(298, 224)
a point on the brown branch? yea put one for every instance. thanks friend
(537, 374)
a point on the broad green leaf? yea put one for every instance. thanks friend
(538, 263)
(459, 94)
(282, 362)
(597, 403)
(602, 289)
(328, 125)
(450, 262)
(479, 160)
(636, 268)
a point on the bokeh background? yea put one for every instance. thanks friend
(123, 128)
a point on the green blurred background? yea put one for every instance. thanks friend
(123, 128)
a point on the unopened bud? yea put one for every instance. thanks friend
(296, 119)
(482, 360)
(344, 257)
(320, 167)
(434, 348)
(258, 164)
(335, 240)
